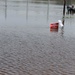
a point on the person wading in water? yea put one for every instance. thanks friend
(70, 9)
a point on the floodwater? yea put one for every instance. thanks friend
(28, 46)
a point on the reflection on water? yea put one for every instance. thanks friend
(53, 30)
(27, 46)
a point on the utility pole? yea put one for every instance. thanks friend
(64, 4)
(27, 10)
(48, 11)
(5, 9)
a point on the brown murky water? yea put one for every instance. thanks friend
(27, 46)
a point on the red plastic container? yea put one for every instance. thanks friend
(54, 25)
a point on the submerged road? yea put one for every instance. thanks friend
(27, 47)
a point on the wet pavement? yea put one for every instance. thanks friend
(28, 47)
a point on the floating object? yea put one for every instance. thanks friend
(60, 23)
(54, 25)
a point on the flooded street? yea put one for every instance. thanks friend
(27, 46)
